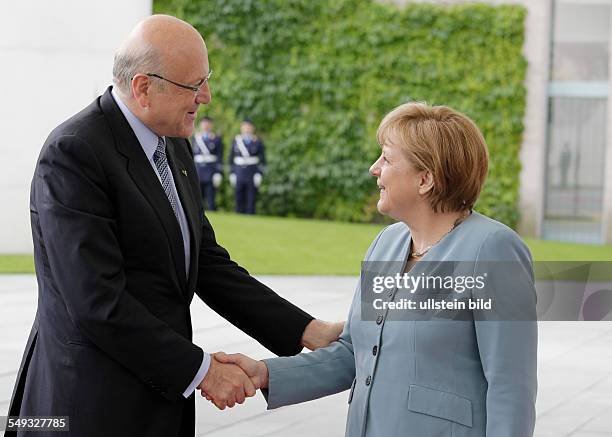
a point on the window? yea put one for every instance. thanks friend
(578, 101)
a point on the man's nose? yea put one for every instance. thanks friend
(204, 96)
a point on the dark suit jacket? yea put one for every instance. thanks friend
(111, 343)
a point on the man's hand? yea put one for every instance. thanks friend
(320, 334)
(226, 384)
(256, 370)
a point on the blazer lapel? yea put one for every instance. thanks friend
(145, 178)
(189, 201)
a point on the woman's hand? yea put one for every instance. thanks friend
(256, 370)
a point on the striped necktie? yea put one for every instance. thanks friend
(161, 162)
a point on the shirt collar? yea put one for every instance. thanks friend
(146, 137)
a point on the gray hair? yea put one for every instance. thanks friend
(133, 59)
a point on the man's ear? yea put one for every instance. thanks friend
(141, 84)
(426, 182)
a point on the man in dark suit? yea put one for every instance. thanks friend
(121, 244)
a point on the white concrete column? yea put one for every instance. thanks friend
(56, 57)
(537, 47)
(607, 193)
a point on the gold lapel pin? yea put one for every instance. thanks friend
(184, 172)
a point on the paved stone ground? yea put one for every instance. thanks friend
(575, 365)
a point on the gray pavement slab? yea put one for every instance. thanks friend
(574, 365)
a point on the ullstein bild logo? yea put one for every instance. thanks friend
(433, 304)
(487, 290)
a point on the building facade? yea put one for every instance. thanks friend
(56, 57)
(60, 55)
(566, 177)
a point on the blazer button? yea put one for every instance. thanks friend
(374, 350)
(379, 319)
(368, 380)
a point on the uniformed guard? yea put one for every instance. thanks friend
(247, 160)
(208, 157)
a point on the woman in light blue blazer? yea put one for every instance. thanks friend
(473, 377)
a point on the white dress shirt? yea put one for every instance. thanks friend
(148, 141)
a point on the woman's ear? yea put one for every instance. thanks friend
(426, 182)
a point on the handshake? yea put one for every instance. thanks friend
(233, 378)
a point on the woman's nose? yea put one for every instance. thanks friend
(375, 168)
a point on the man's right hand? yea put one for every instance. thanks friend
(226, 384)
(256, 370)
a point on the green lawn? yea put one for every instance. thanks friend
(272, 245)
(558, 251)
(285, 246)
(16, 264)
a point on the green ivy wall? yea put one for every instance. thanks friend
(317, 76)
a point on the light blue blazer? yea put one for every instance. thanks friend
(428, 378)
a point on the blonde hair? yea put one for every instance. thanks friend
(444, 142)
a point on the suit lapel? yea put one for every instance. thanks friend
(144, 177)
(189, 202)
